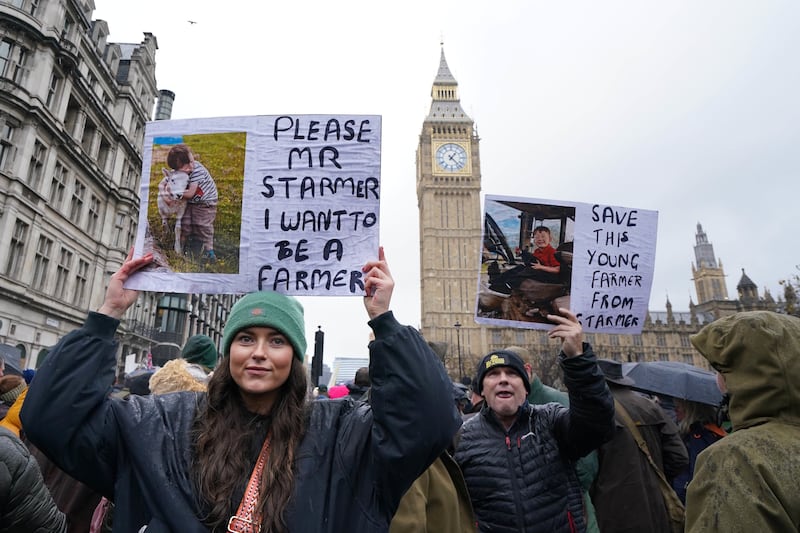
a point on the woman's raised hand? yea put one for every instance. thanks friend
(378, 285)
(118, 299)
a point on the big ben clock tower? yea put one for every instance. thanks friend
(448, 195)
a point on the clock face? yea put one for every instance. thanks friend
(451, 157)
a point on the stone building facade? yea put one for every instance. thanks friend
(73, 109)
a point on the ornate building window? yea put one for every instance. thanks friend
(57, 186)
(661, 339)
(16, 250)
(76, 209)
(54, 90)
(171, 314)
(62, 273)
(36, 167)
(7, 148)
(131, 235)
(87, 140)
(13, 59)
(119, 229)
(81, 277)
(94, 215)
(129, 176)
(41, 263)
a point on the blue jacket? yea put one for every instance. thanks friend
(698, 439)
(352, 467)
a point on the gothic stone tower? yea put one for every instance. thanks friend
(707, 273)
(709, 279)
(448, 195)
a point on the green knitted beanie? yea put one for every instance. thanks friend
(268, 309)
(200, 350)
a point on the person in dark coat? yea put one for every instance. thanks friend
(698, 427)
(25, 503)
(518, 459)
(586, 467)
(626, 492)
(181, 462)
(360, 385)
(73, 498)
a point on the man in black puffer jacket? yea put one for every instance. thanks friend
(25, 503)
(518, 459)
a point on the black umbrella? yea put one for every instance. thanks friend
(679, 380)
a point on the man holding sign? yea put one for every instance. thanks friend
(516, 457)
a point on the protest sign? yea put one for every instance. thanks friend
(288, 203)
(540, 255)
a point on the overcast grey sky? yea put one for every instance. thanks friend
(687, 108)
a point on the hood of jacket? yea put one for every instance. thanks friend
(177, 375)
(758, 353)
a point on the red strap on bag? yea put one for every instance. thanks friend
(247, 518)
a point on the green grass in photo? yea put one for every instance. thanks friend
(223, 155)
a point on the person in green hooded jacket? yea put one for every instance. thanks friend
(748, 480)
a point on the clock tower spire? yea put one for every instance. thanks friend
(448, 195)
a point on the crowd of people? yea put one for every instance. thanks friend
(227, 440)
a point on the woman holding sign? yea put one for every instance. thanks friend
(251, 454)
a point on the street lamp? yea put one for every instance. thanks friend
(457, 325)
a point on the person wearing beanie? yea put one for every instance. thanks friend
(200, 350)
(586, 467)
(251, 453)
(517, 458)
(11, 386)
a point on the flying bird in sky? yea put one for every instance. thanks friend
(192, 22)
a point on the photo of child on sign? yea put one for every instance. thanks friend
(526, 269)
(194, 212)
(541, 256)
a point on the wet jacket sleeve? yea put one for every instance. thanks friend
(67, 413)
(415, 417)
(24, 499)
(590, 419)
(744, 485)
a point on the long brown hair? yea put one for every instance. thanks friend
(221, 456)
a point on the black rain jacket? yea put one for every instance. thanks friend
(352, 467)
